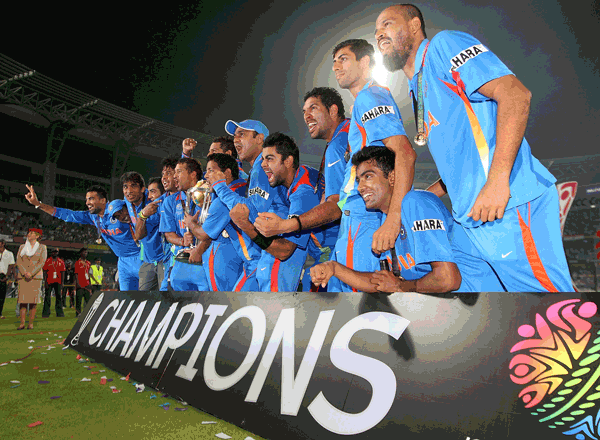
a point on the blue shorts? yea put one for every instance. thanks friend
(353, 248)
(188, 277)
(129, 273)
(522, 252)
(223, 266)
(274, 275)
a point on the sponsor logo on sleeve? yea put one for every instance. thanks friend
(375, 112)
(466, 55)
(428, 224)
(259, 191)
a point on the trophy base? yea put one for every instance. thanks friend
(183, 257)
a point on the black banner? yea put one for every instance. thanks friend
(304, 365)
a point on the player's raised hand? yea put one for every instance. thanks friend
(385, 237)
(188, 146)
(322, 273)
(386, 281)
(31, 196)
(269, 224)
(491, 202)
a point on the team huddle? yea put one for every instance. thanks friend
(358, 216)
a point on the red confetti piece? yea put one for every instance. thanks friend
(78, 357)
(94, 372)
(92, 366)
(34, 424)
(36, 368)
(116, 391)
(102, 381)
(127, 377)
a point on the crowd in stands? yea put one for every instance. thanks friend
(17, 223)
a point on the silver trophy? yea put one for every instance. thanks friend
(198, 195)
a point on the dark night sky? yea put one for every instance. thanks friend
(198, 65)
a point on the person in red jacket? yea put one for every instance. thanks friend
(54, 274)
(82, 280)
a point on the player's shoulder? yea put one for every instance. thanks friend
(306, 177)
(418, 200)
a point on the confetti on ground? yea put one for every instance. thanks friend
(2, 365)
(222, 435)
(78, 357)
(16, 386)
(65, 347)
(43, 382)
(116, 391)
(180, 409)
(139, 388)
(14, 381)
(30, 347)
(109, 380)
(34, 424)
(16, 362)
(165, 395)
(209, 423)
(36, 368)
(248, 438)
(102, 371)
(94, 372)
(103, 381)
(82, 361)
(31, 340)
(44, 352)
(165, 406)
(92, 366)
(55, 397)
(86, 379)
(127, 377)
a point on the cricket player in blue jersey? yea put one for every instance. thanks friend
(230, 260)
(282, 259)
(375, 120)
(146, 228)
(119, 235)
(472, 112)
(324, 116)
(225, 145)
(424, 259)
(184, 276)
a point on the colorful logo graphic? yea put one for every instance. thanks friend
(558, 363)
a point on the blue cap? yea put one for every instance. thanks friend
(248, 124)
(115, 206)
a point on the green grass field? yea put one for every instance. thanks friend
(84, 410)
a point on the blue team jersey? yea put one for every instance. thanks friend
(461, 123)
(118, 236)
(243, 174)
(222, 263)
(334, 162)
(152, 246)
(166, 246)
(375, 117)
(260, 198)
(274, 275)
(172, 215)
(423, 238)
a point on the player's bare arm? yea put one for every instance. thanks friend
(32, 198)
(444, 277)
(404, 171)
(147, 211)
(321, 274)
(270, 224)
(513, 100)
(438, 188)
(174, 238)
(280, 248)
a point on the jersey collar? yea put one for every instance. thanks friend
(339, 128)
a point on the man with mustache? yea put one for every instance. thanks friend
(472, 112)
